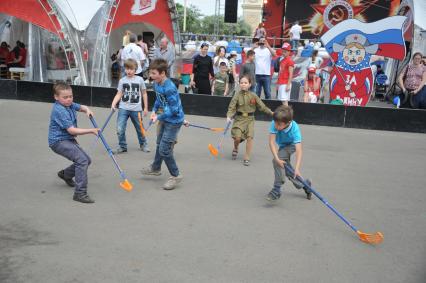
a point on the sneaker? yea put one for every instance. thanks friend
(69, 182)
(145, 148)
(120, 150)
(172, 182)
(83, 198)
(273, 196)
(149, 171)
(234, 154)
(307, 190)
(246, 162)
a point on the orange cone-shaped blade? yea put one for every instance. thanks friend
(374, 239)
(126, 185)
(141, 124)
(213, 150)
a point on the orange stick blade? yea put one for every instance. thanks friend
(126, 185)
(141, 124)
(213, 150)
(374, 239)
(218, 129)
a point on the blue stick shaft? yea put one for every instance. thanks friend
(102, 130)
(149, 125)
(199, 126)
(107, 120)
(228, 125)
(101, 136)
(323, 200)
(123, 176)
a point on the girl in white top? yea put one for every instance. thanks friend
(220, 57)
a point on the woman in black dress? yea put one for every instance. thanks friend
(202, 70)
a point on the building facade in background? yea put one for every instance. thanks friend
(252, 12)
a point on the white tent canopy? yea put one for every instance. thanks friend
(79, 12)
(419, 13)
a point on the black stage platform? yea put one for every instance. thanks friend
(374, 118)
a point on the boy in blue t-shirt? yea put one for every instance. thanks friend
(62, 133)
(285, 133)
(171, 118)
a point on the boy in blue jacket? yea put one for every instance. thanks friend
(171, 118)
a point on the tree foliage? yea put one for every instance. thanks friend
(193, 16)
(198, 24)
(240, 28)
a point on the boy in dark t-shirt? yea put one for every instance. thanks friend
(249, 69)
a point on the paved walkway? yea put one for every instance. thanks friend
(216, 227)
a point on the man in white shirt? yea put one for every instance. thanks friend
(133, 51)
(295, 32)
(263, 54)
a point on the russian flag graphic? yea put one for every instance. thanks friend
(386, 33)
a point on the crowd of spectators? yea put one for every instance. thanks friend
(238, 56)
(12, 58)
(56, 57)
(134, 47)
(258, 59)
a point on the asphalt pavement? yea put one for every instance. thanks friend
(216, 226)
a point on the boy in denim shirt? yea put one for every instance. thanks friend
(285, 133)
(62, 132)
(171, 118)
(130, 90)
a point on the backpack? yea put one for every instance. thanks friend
(277, 64)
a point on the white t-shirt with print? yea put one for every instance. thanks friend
(132, 92)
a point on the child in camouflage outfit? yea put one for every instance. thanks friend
(243, 105)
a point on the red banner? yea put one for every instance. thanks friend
(154, 12)
(273, 14)
(32, 11)
(318, 16)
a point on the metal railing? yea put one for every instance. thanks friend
(246, 41)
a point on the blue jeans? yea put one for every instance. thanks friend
(73, 152)
(265, 81)
(123, 116)
(166, 138)
(419, 100)
(253, 87)
(294, 44)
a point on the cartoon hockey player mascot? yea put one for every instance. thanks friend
(352, 79)
(351, 44)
